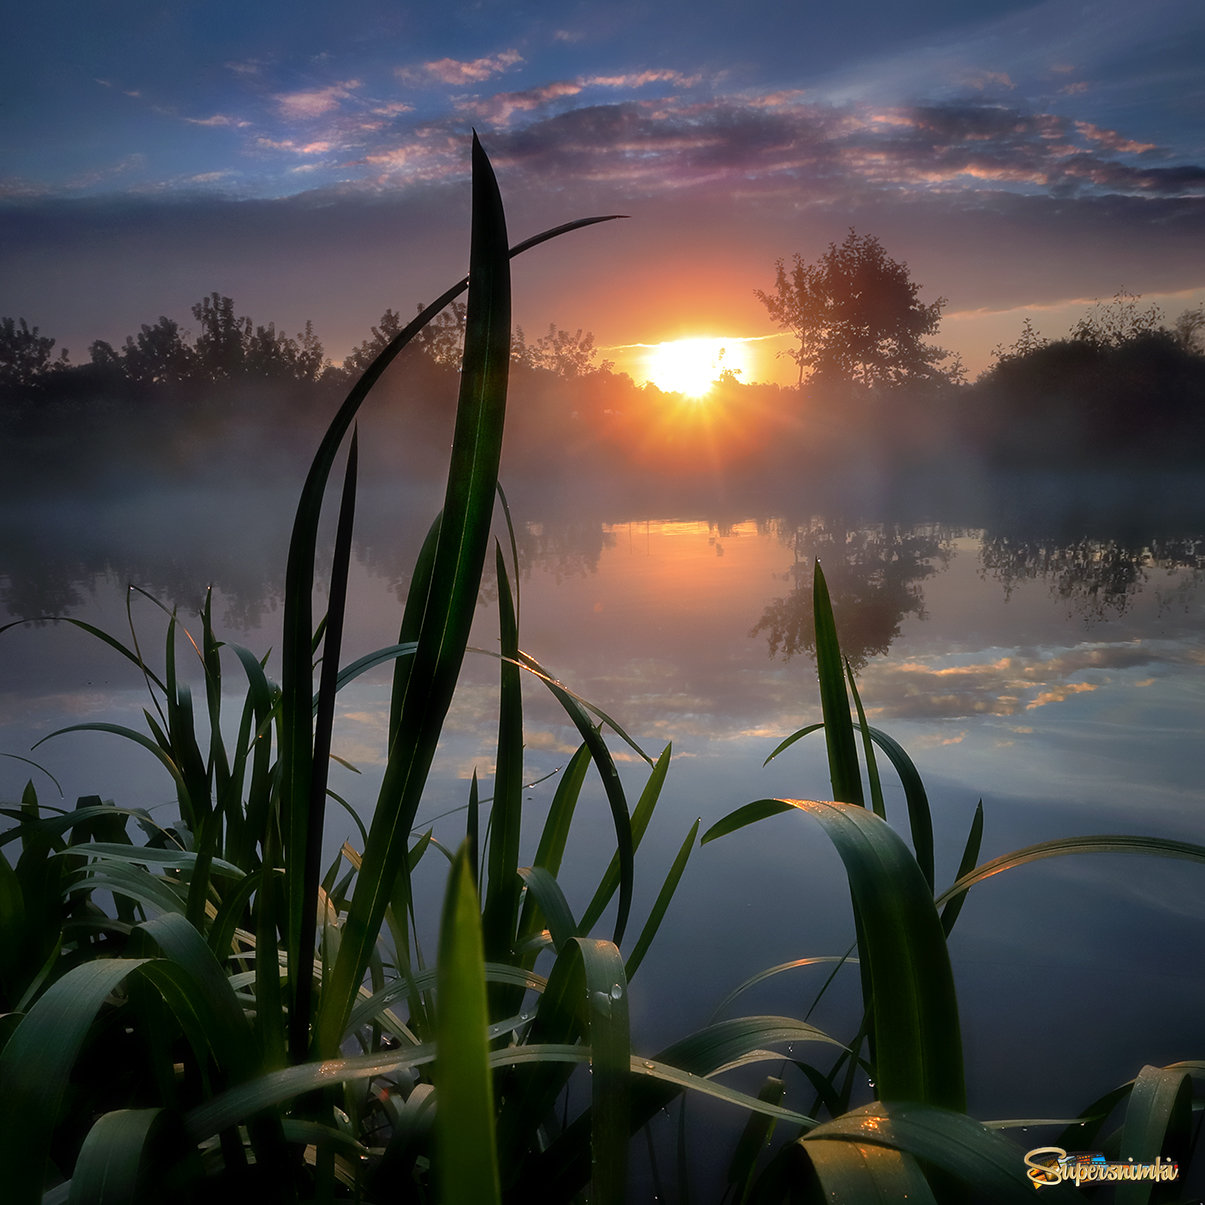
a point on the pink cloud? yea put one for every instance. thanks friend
(504, 105)
(461, 71)
(299, 106)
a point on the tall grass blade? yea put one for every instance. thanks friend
(620, 870)
(467, 1163)
(834, 702)
(303, 861)
(501, 912)
(459, 556)
(662, 902)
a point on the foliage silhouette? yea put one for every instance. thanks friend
(857, 316)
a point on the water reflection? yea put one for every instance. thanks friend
(1098, 578)
(874, 575)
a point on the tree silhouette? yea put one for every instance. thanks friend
(559, 351)
(856, 315)
(24, 354)
(158, 354)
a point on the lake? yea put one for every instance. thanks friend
(1037, 643)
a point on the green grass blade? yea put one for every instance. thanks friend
(622, 862)
(555, 834)
(920, 818)
(989, 1167)
(610, 1060)
(1103, 843)
(1158, 1125)
(662, 902)
(467, 1164)
(872, 766)
(110, 1167)
(790, 740)
(303, 859)
(35, 1066)
(918, 1052)
(837, 960)
(754, 1138)
(749, 813)
(549, 905)
(970, 855)
(451, 602)
(501, 912)
(843, 766)
(864, 1173)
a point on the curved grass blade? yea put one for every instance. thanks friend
(770, 972)
(112, 1168)
(990, 1167)
(550, 904)
(36, 1063)
(918, 1051)
(100, 635)
(920, 819)
(1103, 843)
(1157, 1125)
(846, 1172)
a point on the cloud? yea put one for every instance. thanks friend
(639, 79)
(218, 119)
(462, 71)
(823, 151)
(501, 108)
(316, 102)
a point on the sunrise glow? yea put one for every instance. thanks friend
(692, 366)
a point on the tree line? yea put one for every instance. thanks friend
(229, 347)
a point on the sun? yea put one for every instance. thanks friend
(692, 366)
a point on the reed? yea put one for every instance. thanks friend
(206, 1008)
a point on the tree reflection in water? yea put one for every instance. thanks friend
(1098, 578)
(874, 576)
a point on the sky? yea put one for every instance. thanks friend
(311, 160)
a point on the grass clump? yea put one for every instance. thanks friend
(207, 1007)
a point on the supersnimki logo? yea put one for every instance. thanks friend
(1050, 1165)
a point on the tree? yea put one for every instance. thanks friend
(857, 316)
(24, 354)
(1188, 330)
(1117, 322)
(559, 351)
(158, 354)
(222, 344)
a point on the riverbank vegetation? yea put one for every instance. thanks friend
(221, 1005)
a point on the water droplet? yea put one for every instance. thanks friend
(617, 991)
